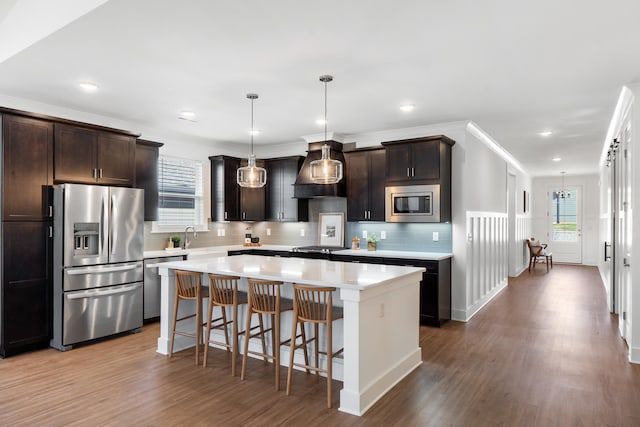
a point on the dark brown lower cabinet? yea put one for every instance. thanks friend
(26, 287)
(435, 287)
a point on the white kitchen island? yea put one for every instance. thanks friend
(380, 328)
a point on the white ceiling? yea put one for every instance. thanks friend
(514, 68)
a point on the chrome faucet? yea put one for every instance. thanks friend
(187, 242)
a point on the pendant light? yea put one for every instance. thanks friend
(326, 170)
(252, 176)
(563, 194)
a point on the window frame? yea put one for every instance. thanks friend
(203, 226)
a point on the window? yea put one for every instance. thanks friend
(180, 199)
(564, 217)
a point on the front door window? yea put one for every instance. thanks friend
(564, 215)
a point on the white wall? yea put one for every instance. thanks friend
(590, 185)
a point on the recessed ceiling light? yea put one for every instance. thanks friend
(407, 107)
(254, 132)
(187, 114)
(88, 87)
(321, 121)
(556, 159)
(546, 133)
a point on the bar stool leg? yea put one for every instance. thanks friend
(317, 346)
(294, 329)
(276, 345)
(234, 351)
(329, 360)
(246, 340)
(264, 344)
(207, 334)
(226, 330)
(173, 324)
(198, 328)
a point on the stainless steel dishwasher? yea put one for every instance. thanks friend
(151, 303)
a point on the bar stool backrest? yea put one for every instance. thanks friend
(223, 290)
(264, 295)
(313, 303)
(188, 284)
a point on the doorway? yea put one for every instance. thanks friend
(565, 224)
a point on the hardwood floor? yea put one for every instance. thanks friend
(544, 352)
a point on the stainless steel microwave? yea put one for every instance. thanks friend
(412, 203)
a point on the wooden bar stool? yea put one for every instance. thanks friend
(314, 304)
(189, 287)
(264, 298)
(223, 291)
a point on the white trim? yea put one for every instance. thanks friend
(476, 131)
(625, 99)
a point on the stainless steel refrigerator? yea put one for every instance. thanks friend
(98, 243)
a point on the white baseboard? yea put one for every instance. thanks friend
(466, 315)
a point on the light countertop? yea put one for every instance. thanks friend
(215, 250)
(299, 270)
(429, 256)
(223, 250)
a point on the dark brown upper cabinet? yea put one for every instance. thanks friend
(225, 194)
(418, 160)
(229, 201)
(281, 206)
(365, 184)
(147, 153)
(93, 157)
(27, 165)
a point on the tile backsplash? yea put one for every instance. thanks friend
(404, 236)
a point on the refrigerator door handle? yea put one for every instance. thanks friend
(95, 294)
(103, 223)
(93, 270)
(113, 230)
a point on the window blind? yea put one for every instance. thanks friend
(180, 188)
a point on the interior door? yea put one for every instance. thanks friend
(565, 224)
(623, 255)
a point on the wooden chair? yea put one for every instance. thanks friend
(223, 291)
(538, 251)
(188, 287)
(264, 298)
(314, 304)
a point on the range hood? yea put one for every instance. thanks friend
(304, 188)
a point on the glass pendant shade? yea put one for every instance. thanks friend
(326, 170)
(252, 176)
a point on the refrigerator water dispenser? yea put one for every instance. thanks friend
(86, 238)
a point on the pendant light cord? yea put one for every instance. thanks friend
(325, 112)
(251, 126)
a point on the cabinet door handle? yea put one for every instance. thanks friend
(244, 215)
(225, 215)
(50, 231)
(408, 171)
(94, 173)
(100, 172)
(50, 211)
(413, 172)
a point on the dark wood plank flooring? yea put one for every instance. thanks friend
(544, 352)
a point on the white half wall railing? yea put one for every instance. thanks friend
(487, 258)
(523, 232)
